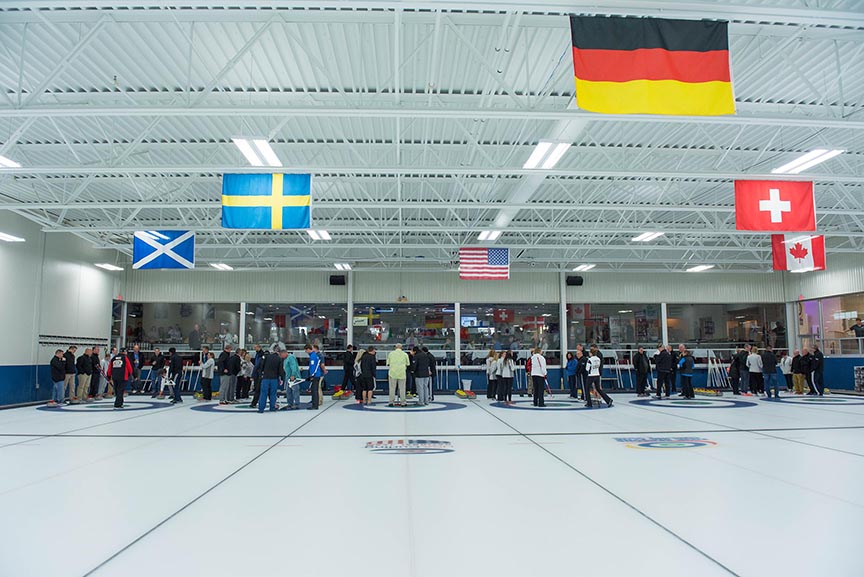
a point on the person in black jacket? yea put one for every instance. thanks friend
(95, 374)
(69, 377)
(58, 376)
(663, 362)
(272, 372)
(84, 367)
(348, 377)
(581, 371)
(175, 372)
(818, 370)
(642, 367)
(422, 370)
(807, 369)
(121, 372)
(433, 364)
(797, 374)
(156, 373)
(735, 371)
(232, 369)
(368, 368)
(673, 375)
(769, 372)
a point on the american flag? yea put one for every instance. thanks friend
(477, 263)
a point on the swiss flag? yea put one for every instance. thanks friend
(797, 253)
(503, 316)
(771, 205)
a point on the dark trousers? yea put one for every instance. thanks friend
(94, 384)
(809, 377)
(491, 388)
(256, 394)
(662, 381)
(641, 383)
(243, 385)
(571, 383)
(734, 381)
(178, 383)
(505, 389)
(348, 378)
(207, 388)
(687, 386)
(119, 390)
(596, 384)
(313, 384)
(539, 389)
(788, 381)
(818, 384)
(673, 382)
(757, 385)
(580, 385)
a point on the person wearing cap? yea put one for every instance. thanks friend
(272, 371)
(398, 362)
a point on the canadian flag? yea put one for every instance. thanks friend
(772, 205)
(797, 253)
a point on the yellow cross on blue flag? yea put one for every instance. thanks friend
(269, 201)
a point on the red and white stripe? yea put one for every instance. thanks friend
(474, 265)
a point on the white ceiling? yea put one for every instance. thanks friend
(415, 119)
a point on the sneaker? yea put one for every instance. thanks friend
(609, 404)
(98, 397)
(390, 405)
(311, 408)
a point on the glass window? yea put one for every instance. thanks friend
(416, 324)
(186, 326)
(620, 326)
(517, 327)
(723, 326)
(808, 322)
(116, 322)
(297, 325)
(838, 316)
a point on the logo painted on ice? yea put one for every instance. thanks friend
(410, 447)
(665, 442)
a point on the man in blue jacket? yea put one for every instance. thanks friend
(316, 375)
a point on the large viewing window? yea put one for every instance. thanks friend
(410, 324)
(297, 325)
(613, 325)
(838, 316)
(724, 326)
(515, 327)
(186, 326)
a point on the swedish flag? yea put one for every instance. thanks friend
(270, 201)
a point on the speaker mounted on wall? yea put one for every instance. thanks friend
(574, 280)
(337, 280)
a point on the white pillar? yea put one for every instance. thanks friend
(792, 327)
(243, 325)
(562, 321)
(124, 311)
(349, 336)
(457, 341)
(664, 329)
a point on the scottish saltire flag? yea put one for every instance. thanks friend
(476, 263)
(269, 201)
(155, 249)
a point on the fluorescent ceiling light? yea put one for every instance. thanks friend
(10, 238)
(264, 148)
(221, 266)
(250, 312)
(268, 318)
(804, 238)
(247, 151)
(539, 152)
(318, 234)
(489, 235)
(625, 312)
(342, 266)
(8, 163)
(807, 160)
(700, 268)
(157, 234)
(556, 155)
(106, 266)
(324, 234)
(811, 269)
(647, 236)
(584, 267)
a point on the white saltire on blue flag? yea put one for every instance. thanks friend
(156, 249)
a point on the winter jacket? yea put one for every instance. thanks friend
(491, 369)
(506, 368)
(421, 365)
(121, 369)
(368, 365)
(234, 365)
(222, 362)
(686, 364)
(582, 367)
(769, 362)
(538, 365)
(735, 367)
(818, 361)
(58, 369)
(594, 366)
(207, 368)
(69, 358)
(663, 360)
(754, 363)
(796, 365)
(348, 361)
(571, 367)
(742, 360)
(291, 367)
(158, 363)
(315, 365)
(272, 367)
(806, 364)
(175, 365)
(83, 365)
(641, 364)
(786, 365)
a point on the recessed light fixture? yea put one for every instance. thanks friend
(811, 269)
(8, 163)
(584, 267)
(740, 317)
(808, 160)
(700, 268)
(625, 312)
(268, 318)
(221, 266)
(489, 235)
(9, 238)
(269, 156)
(342, 266)
(247, 151)
(107, 266)
(250, 312)
(318, 234)
(647, 236)
(545, 153)
(157, 234)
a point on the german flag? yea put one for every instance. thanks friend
(651, 66)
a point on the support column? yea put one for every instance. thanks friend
(242, 325)
(792, 336)
(349, 335)
(457, 340)
(562, 322)
(124, 312)
(664, 328)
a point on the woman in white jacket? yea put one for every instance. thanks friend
(506, 370)
(491, 374)
(754, 367)
(538, 376)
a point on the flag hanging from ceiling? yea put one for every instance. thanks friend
(269, 201)
(477, 263)
(774, 206)
(158, 249)
(797, 253)
(651, 66)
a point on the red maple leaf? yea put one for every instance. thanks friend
(798, 252)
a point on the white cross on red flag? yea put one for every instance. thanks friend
(774, 206)
(798, 253)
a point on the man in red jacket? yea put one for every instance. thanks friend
(121, 372)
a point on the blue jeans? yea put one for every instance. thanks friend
(771, 381)
(157, 383)
(292, 394)
(745, 381)
(269, 388)
(57, 392)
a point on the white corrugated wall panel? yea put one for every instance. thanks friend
(232, 287)
(445, 287)
(844, 274)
